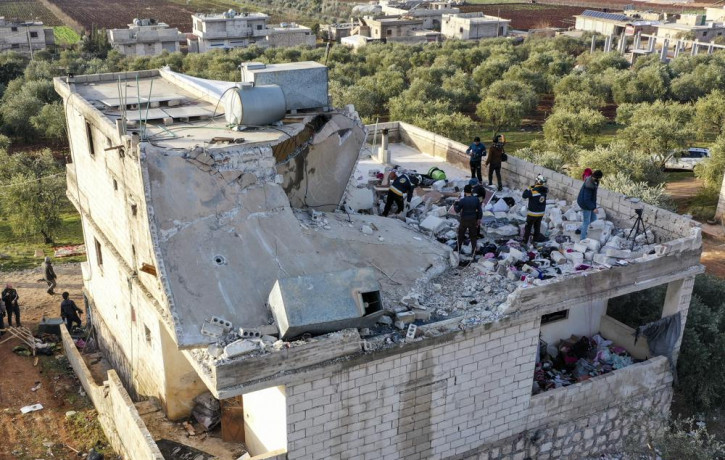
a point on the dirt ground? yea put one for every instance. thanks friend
(47, 433)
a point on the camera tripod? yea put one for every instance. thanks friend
(638, 228)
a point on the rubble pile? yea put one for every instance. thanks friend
(576, 359)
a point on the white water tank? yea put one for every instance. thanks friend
(254, 105)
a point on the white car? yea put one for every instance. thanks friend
(688, 159)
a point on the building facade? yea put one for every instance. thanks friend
(227, 30)
(290, 34)
(198, 231)
(145, 37)
(474, 26)
(24, 37)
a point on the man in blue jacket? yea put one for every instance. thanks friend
(587, 200)
(536, 194)
(402, 186)
(476, 151)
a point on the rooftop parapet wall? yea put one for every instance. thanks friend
(679, 231)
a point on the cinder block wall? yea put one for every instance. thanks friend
(465, 398)
(517, 173)
(438, 400)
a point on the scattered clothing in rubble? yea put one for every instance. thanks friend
(662, 336)
(207, 410)
(577, 359)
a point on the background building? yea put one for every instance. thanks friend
(227, 30)
(472, 26)
(24, 37)
(145, 37)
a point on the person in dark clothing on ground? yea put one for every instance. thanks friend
(10, 299)
(69, 312)
(494, 159)
(587, 200)
(3, 312)
(470, 209)
(403, 186)
(476, 152)
(536, 194)
(49, 275)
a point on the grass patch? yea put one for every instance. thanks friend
(64, 35)
(704, 204)
(18, 252)
(84, 426)
(678, 176)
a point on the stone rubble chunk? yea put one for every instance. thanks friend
(433, 224)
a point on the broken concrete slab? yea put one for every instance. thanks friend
(433, 224)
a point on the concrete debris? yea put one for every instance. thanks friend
(239, 347)
(215, 327)
(366, 229)
(386, 320)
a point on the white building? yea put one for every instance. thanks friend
(24, 37)
(715, 14)
(233, 30)
(472, 26)
(227, 30)
(145, 37)
(603, 23)
(692, 26)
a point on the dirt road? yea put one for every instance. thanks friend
(47, 433)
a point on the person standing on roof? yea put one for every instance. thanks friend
(536, 194)
(69, 312)
(403, 185)
(587, 200)
(49, 275)
(494, 159)
(476, 152)
(470, 209)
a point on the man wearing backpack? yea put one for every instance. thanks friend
(476, 152)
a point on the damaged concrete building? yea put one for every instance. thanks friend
(219, 261)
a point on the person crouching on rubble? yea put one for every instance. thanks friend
(470, 209)
(403, 185)
(69, 312)
(536, 194)
(587, 200)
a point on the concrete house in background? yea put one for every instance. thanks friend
(202, 238)
(24, 37)
(474, 26)
(233, 30)
(226, 30)
(145, 37)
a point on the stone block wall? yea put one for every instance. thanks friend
(432, 402)
(590, 418)
(117, 414)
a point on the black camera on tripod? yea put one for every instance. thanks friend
(639, 212)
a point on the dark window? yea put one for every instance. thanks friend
(99, 254)
(134, 210)
(89, 136)
(33, 34)
(389, 32)
(556, 316)
(147, 333)
(259, 26)
(115, 184)
(15, 46)
(13, 29)
(460, 29)
(371, 302)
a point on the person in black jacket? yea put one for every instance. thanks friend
(10, 299)
(476, 152)
(50, 275)
(69, 312)
(536, 194)
(470, 209)
(402, 186)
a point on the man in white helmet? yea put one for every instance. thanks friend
(536, 194)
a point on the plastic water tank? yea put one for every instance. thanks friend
(254, 105)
